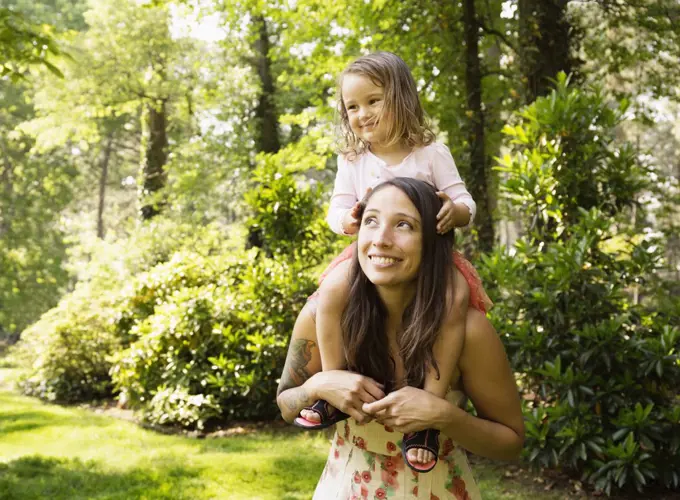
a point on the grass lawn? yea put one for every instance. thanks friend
(54, 452)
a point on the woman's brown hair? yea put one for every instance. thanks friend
(408, 123)
(365, 317)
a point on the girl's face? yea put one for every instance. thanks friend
(390, 239)
(364, 102)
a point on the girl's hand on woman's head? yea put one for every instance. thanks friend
(347, 391)
(446, 215)
(350, 223)
(409, 410)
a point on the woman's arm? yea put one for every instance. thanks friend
(302, 381)
(498, 431)
(302, 361)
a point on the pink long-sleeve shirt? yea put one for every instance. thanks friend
(433, 164)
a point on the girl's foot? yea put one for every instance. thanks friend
(419, 456)
(421, 449)
(319, 416)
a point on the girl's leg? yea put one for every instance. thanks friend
(331, 302)
(446, 350)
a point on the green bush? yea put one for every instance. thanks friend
(67, 351)
(287, 204)
(216, 349)
(599, 372)
(208, 335)
(186, 327)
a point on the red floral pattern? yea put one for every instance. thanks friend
(365, 463)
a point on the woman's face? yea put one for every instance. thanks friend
(390, 240)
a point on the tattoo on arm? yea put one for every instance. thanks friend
(295, 371)
(296, 398)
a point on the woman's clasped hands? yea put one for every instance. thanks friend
(408, 410)
(347, 391)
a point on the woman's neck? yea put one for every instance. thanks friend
(391, 155)
(396, 299)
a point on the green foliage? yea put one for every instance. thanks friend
(286, 201)
(33, 189)
(23, 44)
(68, 349)
(566, 160)
(599, 371)
(67, 352)
(209, 345)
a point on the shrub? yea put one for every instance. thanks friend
(600, 372)
(67, 351)
(220, 344)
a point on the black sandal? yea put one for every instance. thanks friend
(427, 440)
(329, 415)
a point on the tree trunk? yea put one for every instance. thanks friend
(103, 179)
(155, 158)
(478, 180)
(266, 117)
(265, 113)
(545, 43)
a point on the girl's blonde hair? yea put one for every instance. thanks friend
(407, 124)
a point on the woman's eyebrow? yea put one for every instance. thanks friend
(398, 214)
(402, 214)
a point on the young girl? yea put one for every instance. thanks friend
(385, 136)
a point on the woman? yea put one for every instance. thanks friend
(388, 280)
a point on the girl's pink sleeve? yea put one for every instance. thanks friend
(344, 196)
(447, 178)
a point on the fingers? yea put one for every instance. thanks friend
(446, 224)
(377, 406)
(375, 392)
(356, 414)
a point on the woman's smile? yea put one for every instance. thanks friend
(383, 260)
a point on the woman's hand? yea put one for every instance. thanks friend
(409, 410)
(346, 391)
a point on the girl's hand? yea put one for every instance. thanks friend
(446, 215)
(350, 223)
(409, 410)
(346, 391)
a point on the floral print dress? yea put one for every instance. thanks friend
(365, 462)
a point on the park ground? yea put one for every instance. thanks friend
(54, 452)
